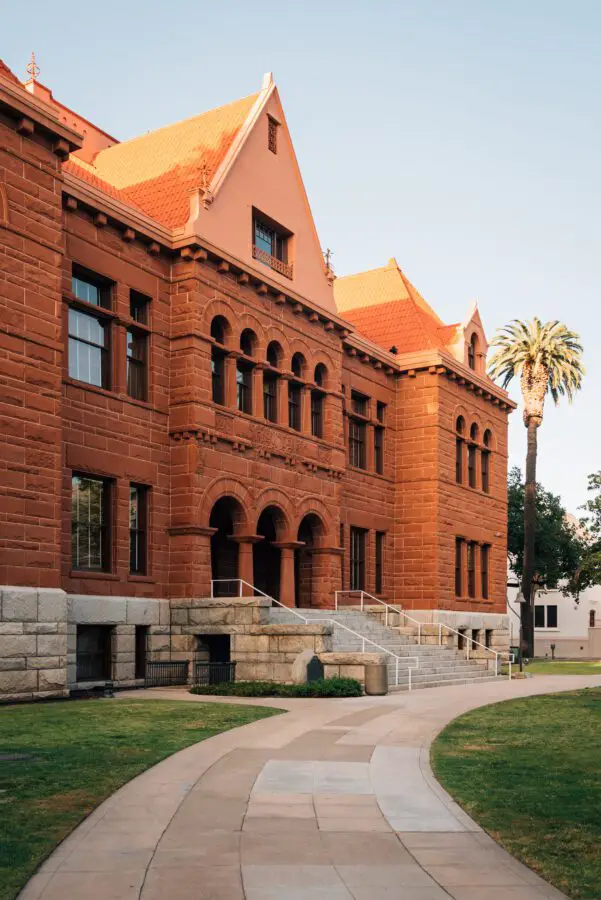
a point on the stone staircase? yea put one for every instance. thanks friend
(436, 665)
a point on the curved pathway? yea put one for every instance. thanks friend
(333, 801)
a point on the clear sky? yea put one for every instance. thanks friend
(461, 136)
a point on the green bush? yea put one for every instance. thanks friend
(323, 687)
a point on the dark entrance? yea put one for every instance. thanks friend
(224, 551)
(213, 648)
(266, 557)
(93, 652)
(309, 531)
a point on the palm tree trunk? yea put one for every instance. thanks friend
(529, 538)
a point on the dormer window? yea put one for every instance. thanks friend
(471, 351)
(272, 134)
(271, 244)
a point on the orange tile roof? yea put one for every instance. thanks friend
(384, 306)
(5, 72)
(86, 172)
(158, 171)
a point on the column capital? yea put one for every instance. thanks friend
(288, 545)
(245, 538)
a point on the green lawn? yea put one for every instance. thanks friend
(81, 753)
(528, 771)
(563, 667)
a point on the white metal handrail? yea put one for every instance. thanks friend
(398, 659)
(395, 609)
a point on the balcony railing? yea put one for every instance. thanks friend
(273, 262)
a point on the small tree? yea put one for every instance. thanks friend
(547, 358)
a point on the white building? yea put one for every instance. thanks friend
(573, 628)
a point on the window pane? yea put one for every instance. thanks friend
(264, 238)
(357, 559)
(539, 616)
(551, 617)
(217, 377)
(138, 499)
(88, 501)
(316, 414)
(85, 290)
(458, 567)
(86, 327)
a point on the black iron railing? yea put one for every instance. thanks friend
(166, 673)
(214, 673)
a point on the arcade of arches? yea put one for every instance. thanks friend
(294, 563)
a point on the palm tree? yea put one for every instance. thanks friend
(548, 360)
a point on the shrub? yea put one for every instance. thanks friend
(323, 687)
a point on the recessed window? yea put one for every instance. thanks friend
(219, 329)
(485, 462)
(218, 376)
(471, 465)
(485, 569)
(137, 367)
(90, 517)
(88, 348)
(380, 536)
(380, 411)
(139, 306)
(141, 655)
(545, 616)
(317, 399)
(298, 365)
(272, 134)
(91, 288)
(379, 449)
(274, 354)
(271, 245)
(359, 403)
(551, 616)
(294, 405)
(320, 375)
(248, 341)
(93, 652)
(244, 387)
(270, 396)
(138, 528)
(471, 569)
(357, 559)
(356, 441)
(471, 351)
(459, 542)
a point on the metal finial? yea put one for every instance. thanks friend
(32, 69)
(328, 259)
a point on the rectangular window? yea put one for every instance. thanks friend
(488, 637)
(551, 617)
(138, 529)
(244, 387)
(471, 569)
(379, 561)
(357, 572)
(218, 377)
(139, 306)
(137, 368)
(141, 650)
(88, 349)
(471, 465)
(272, 134)
(294, 405)
(484, 569)
(90, 521)
(459, 461)
(270, 245)
(485, 463)
(317, 414)
(357, 443)
(475, 638)
(539, 616)
(91, 288)
(93, 652)
(380, 411)
(379, 449)
(359, 403)
(270, 397)
(459, 567)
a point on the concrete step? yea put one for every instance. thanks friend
(393, 689)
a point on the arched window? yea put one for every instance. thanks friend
(320, 375)
(459, 445)
(472, 454)
(248, 342)
(298, 365)
(485, 461)
(219, 329)
(274, 354)
(472, 351)
(244, 372)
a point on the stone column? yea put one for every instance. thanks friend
(287, 585)
(369, 449)
(230, 389)
(326, 575)
(246, 543)
(282, 395)
(306, 409)
(190, 560)
(257, 391)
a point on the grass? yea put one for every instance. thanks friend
(81, 753)
(563, 667)
(528, 772)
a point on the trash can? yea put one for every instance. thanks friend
(376, 679)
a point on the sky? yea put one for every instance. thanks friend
(462, 137)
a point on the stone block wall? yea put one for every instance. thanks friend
(33, 643)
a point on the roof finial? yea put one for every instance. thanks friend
(32, 69)
(327, 257)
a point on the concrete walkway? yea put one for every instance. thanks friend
(333, 801)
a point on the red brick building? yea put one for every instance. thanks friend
(188, 393)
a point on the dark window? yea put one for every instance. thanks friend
(218, 376)
(357, 443)
(272, 134)
(274, 354)
(219, 327)
(320, 375)
(244, 387)
(461, 639)
(88, 349)
(591, 618)
(484, 569)
(471, 569)
(379, 561)
(357, 559)
(298, 365)
(459, 567)
(485, 462)
(471, 352)
(551, 617)
(294, 405)
(359, 403)
(539, 616)
(488, 637)
(471, 465)
(317, 414)
(141, 650)
(380, 411)
(379, 449)
(248, 342)
(341, 536)
(137, 367)
(90, 522)
(459, 460)
(138, 529)
(270, 397)
(475, 638)
(138, 307)
(91, 288)
(93, 652)
(270, 246)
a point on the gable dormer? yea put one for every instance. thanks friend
(470, 345)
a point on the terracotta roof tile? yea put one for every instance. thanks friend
(86, 172)
(158, 171)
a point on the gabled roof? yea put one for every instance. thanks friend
(158, 171)
(5, 72)
(384, 306)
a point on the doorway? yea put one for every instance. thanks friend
(266, 556)
(224, 551)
